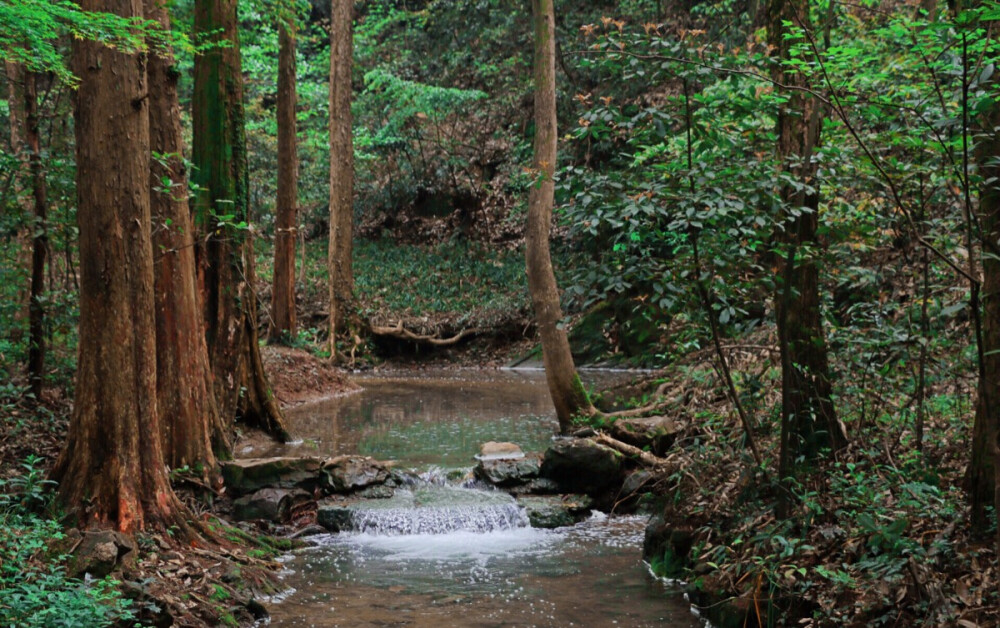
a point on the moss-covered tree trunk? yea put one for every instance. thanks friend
(568, 394)
(112, 471)
(340, 252)
(39, 237)
(283, 284)
(809, 420)
(222, 215)
(185, 392)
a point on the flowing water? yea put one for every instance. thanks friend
(437, 554)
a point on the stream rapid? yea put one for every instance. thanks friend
(439, 554)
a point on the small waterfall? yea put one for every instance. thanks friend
(437, 509)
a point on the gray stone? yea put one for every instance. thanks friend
(495, 450)
(98, 552)
(377, 491)
(248, 475)
(580, 465)
(269, 504)
(508, 471)
(335, 516)
(348, 473)
(656, 434)
(555, 511)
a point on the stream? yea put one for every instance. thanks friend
(440, 555)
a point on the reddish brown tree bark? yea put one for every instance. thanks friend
(286, 231)
(340, 252)
(222, 212)
(568, 394)
(112, 471)
(809, 421)
(190, 418)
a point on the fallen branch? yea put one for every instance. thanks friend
(401, 332)
(644, 457)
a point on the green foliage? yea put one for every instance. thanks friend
(457, 277)
(34, 589)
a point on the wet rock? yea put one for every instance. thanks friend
(401, 477)
(496, 450)
(580, 465)
(508, 471)
(334, 516)
(256, 609)
(657, 434)
(536, 486)
(98, 552)
(269, 504)
(555, 511)
(378, 491)
(348, 473)
(249, 475)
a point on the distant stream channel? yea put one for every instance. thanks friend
(499, 571)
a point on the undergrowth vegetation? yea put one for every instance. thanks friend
(35, 590)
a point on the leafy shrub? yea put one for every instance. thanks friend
(35, 591)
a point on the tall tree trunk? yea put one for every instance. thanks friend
(283, 285)
(340, 253)
(15, 115)
(15, 102)
(809, 421)
(984, 491)
(39, 239)
(112, 470)
(189, 416)
(222, 212)
(568, 394)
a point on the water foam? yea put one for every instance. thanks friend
(431, 509)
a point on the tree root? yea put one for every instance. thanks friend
(405, 334)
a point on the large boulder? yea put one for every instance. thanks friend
(509, 471)
(269, 504)
(349, 473)
(249, 475)
(656, 434)
(555, 511)
(579, 465)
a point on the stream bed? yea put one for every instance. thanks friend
(431, 559)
